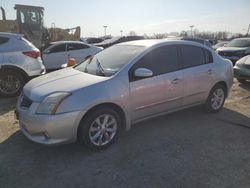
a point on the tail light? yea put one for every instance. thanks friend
(33, 54)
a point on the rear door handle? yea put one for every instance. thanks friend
(176, 81)
(210, 71)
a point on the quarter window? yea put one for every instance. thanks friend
(161, 60)
(208, 56)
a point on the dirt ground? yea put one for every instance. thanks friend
(190, 148)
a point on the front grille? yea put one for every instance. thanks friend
(247, 66)
(25, 102)
(227, 54)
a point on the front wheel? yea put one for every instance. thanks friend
(216, 98)
(99, 129)
(11, 83)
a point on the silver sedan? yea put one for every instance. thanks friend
(119, 86)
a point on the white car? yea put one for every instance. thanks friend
(59, 52)
(20, 61)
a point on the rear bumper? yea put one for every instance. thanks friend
(42, 72)
(241, 74)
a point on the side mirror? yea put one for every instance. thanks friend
(143, 73)
(71, 62)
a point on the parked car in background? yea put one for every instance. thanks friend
(220, 44)
(119, 86)
(235, 49)
(116, 40)
(59, 52)
(242, 69)
(19, 62)
(199, 40)
(92, 40)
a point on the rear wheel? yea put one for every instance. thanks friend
(216, 98)
(11, 83)
(99, 129)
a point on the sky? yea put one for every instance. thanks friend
(141, 16)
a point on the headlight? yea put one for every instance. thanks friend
(51, 103)
(240, 53)
(241, 61)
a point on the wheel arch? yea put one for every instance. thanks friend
(222, 83)
(113, 106)
(15, 68)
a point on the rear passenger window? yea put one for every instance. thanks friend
(192, 56)
(161, 60)
(3, 40)
(77, 46)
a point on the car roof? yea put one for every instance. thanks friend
(153, 42)
(68, 41)
(5, 34)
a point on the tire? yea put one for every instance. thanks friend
(216, 98)
(242, 81)
(95, 135)
(11, 83)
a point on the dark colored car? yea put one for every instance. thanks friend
(199, 40)
(115, 40)
(92, 40)
(235, 50)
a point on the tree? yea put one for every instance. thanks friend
(132, 33)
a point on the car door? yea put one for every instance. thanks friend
(3, 42)
(198, 72)
(161, 92)
(78, 51)
(55, 56)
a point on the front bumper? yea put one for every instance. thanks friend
(241, 73)
(232, 58)
(49, 129)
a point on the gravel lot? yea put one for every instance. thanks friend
(190, 148)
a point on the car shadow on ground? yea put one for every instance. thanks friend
(168, 150)
(245, 86)
(7, 104)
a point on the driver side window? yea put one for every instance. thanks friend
(160, 61)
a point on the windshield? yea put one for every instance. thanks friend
(239, 43)
(110, 60)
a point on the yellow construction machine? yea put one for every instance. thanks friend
(29, 21)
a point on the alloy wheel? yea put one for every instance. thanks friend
(103, 129)
(217, 98)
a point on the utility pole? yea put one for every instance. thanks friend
(121, 32)
(191, 28)
(105, 29)
(248, 29)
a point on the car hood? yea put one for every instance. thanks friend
(247, 60)
(66, 80)
(231, 49)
